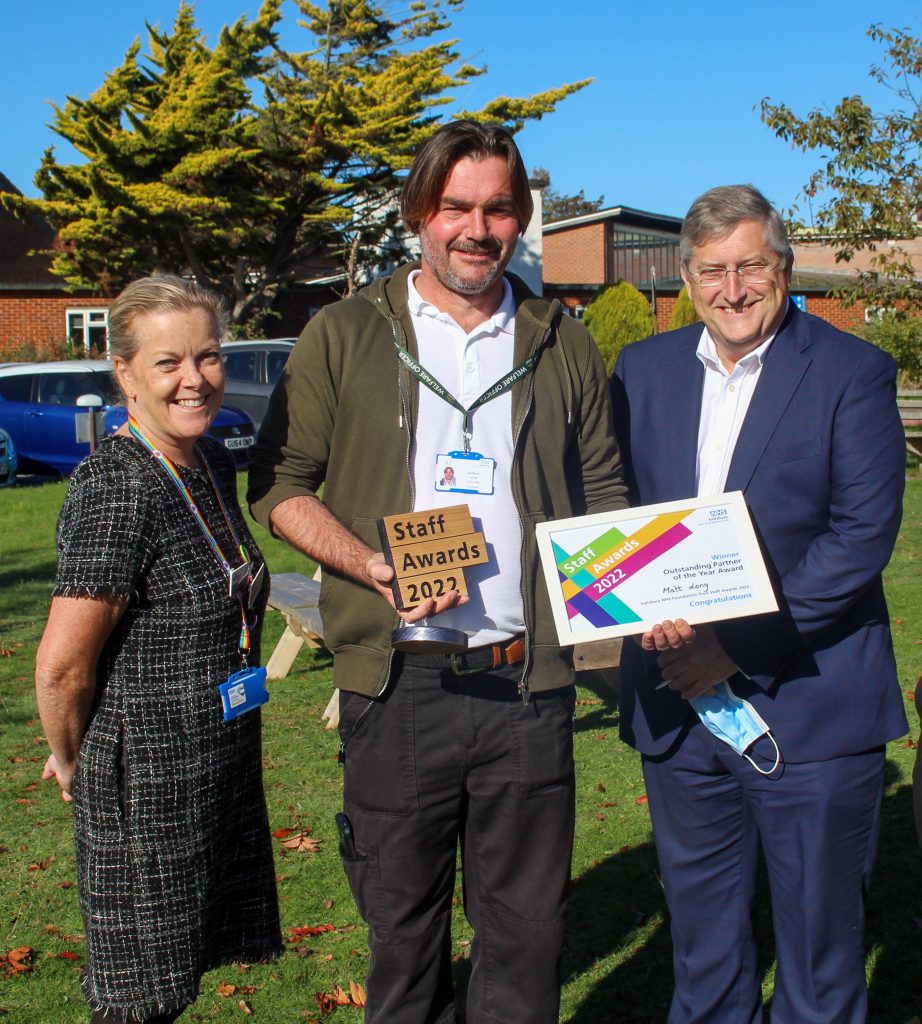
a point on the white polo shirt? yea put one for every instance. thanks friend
(467, 365)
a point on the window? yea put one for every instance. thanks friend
(66, 388)
(86, 328)
(275, 363)
(633, 253)
(17, 387)
(241, 366)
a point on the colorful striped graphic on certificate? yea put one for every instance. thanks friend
(589, 577)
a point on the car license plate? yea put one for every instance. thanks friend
(238, 442)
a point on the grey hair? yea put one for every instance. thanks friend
(716, 213)
(162, 293)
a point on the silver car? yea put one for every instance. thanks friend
(251, 370)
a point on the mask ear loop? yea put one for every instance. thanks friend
(777, 758)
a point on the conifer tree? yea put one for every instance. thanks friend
(243, 162)
(616, 317)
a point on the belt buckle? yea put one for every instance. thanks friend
(456, 665)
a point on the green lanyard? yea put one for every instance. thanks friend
(501, 386)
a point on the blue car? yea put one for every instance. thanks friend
(7, 460)
(39, 409)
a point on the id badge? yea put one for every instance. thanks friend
(243, 691)
(464, 473)
(237, 579)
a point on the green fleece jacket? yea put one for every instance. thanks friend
(344, 415)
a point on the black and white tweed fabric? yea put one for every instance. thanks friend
(174, 856)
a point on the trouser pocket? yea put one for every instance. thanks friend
(379, 766)
(364, 875)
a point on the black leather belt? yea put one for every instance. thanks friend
(479, 659)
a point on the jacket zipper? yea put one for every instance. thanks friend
(523, 684)
(403, 423)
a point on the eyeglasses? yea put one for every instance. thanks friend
(751, 273)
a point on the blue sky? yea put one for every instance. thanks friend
(670, 113)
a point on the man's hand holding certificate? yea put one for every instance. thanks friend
(620, 573)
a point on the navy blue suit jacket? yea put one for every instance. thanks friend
(821, 461)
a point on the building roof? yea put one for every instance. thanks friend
(623, 215)
(19, 239)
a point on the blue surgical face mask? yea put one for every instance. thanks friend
(735, 721)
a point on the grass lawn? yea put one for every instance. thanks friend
(617, 963)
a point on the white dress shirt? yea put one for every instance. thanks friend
(724, 403)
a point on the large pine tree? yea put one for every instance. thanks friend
(241, 163)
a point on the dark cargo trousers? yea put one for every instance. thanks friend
(440, 760)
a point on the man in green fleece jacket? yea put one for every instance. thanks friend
(450, 361)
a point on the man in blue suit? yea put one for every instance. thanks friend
(802, 418)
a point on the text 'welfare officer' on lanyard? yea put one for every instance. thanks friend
(245, 689)
(501, 386)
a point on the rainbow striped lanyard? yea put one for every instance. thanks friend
(172, 471)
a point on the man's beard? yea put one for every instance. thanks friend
(438, 261)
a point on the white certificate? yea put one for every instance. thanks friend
(618, 573)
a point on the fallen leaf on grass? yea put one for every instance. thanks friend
(282, 833)
(244, 1008)
(601, 817)
(301, 842)
(585, 702)
(328, 904)
(609, 803)
(299, 932)
(225, 989)
(6, 652)
(911, 744)
(329, 1001)
(326, 1002)
(601, 787)
(43, 865)
(17, 961)
(67, 955)
(641, 799)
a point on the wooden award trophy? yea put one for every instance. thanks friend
(429, 552)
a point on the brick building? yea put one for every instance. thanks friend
(37, 312)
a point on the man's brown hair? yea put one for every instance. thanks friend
(422, 192)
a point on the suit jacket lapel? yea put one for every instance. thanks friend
(683, 383)
(785, 364)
